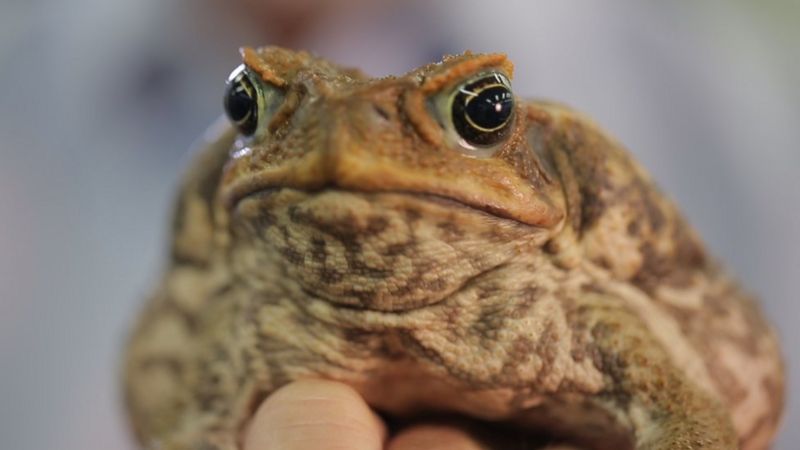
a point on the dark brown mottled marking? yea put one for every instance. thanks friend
(398, 248)
(412, 215)
(655, 267)
(330, 275)
(545, 348)
(451, 229)
(358, 266)
(522, 350)
(264, 220)
(649, 204)
(528, 296)
(292, 255)
(614, 367)
(635, 227)
(318, 250)
(376, 225)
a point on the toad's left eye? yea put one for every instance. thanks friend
(249, 102)
(481, 110)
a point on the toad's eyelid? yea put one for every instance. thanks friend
(466, 92)
(500, 80)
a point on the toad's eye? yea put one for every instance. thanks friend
(249, 102)
(481, 110)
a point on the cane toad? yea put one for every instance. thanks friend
(445, 248)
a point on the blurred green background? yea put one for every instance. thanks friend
(99, 100)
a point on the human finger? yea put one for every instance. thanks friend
(315, 415)
(433, 437)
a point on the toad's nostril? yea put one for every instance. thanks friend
(381, 111)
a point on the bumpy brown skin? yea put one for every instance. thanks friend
(549, 286)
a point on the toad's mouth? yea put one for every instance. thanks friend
(455, 203)
(249, 189)
(503, 194)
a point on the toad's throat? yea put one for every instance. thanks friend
(377, 251)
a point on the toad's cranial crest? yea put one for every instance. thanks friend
(444, 247)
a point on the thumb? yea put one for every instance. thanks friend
(315, 415)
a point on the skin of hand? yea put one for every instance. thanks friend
(318, 414)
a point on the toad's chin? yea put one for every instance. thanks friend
(377, 251)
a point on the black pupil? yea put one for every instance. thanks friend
(482, 109)
(241, 104)
(491, 108)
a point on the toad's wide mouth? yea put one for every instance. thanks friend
(493, 188)
(454, 203)
(254, 188)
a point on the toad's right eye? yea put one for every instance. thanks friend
(482, 110)
(477, 114)
(249, 102)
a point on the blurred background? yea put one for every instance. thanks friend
(99, 100)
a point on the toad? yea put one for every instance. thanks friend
(445, 248)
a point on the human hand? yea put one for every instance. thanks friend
(325, 415)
